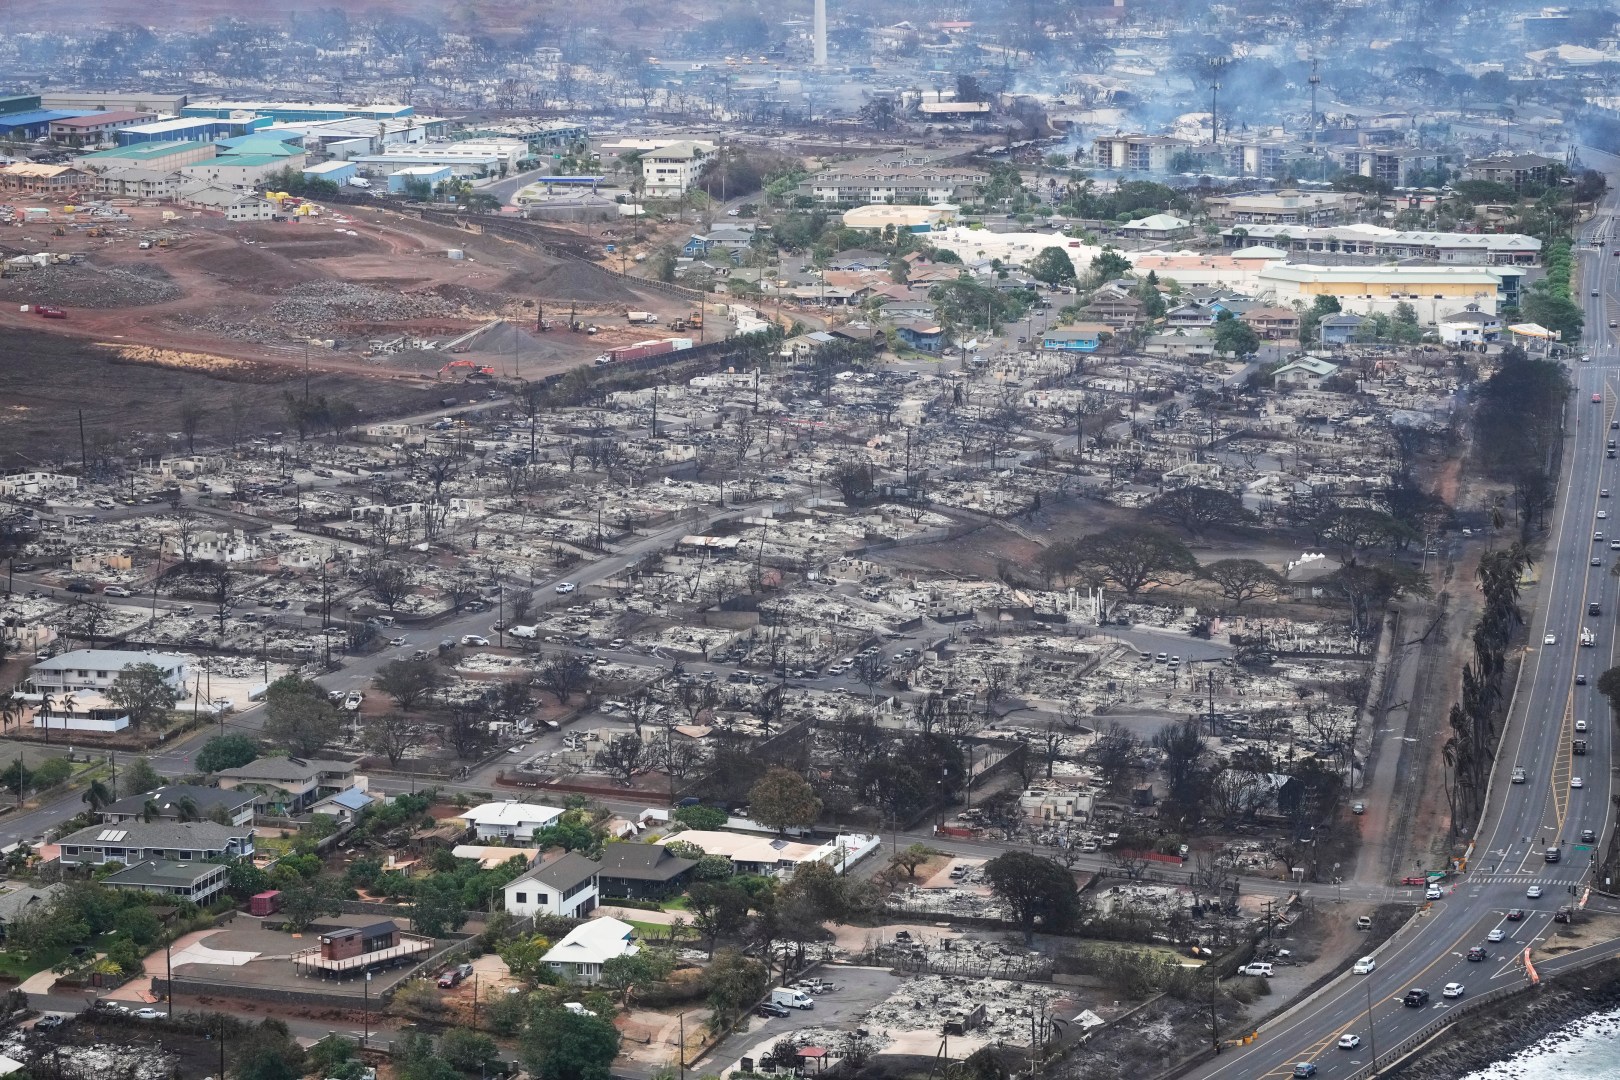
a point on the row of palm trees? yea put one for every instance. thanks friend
(12, 708)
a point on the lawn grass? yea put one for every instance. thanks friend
(678, 903)
(19, 967)
(658, 931)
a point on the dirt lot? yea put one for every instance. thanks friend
(259, 291)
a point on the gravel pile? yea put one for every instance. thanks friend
(251, 329)
(84, 286)
(318, 306)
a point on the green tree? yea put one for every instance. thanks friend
(1234, 337)
(145, 693)
(1608, 684)
(268, 1052)
(717, 911)
(734, 983)
(226, 752)
(1311, 320)
(299, 716)
(704, 818)
(302, 902)
(1107, 265)
(96, 796)
(563, 1045)
(1038, 891)
(1052, 266)
(468, 1051)
(330, 1054)
(437, 907)
(50, 772)
(137, 777)
(783, 799)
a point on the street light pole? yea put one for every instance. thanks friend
(1372, 1035)
(365, 1035)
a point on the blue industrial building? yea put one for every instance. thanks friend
(189, 129)
(34, 123)
(337, 172)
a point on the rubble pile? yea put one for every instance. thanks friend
(318, 306)
(928, 1000)
(85, 286)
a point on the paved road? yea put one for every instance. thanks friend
(1522, 820)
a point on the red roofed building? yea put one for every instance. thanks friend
(96, 128)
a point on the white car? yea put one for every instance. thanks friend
(1496, 935)
(352, 702)
(399, 641)
(474, 639)
(1452, 990)
(1580, 725)
(1349, 1042)
(1433, 893)
(1575, 781)
(147, 1013)
(1550, 639)
(1364, 966)
(1533, 892)
(565, 587)
(116, 590)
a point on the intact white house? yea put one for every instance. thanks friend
(510, 819)
(670, 170)
(97, 669)
(1470, 327)
(584, 949)
(566, 886)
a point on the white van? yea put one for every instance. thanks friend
(791, 999)
(523, 631)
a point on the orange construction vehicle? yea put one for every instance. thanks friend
(474, 371)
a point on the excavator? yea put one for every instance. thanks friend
(474, 371)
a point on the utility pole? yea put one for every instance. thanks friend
(84, 453)
(168, 987)
(1214, 98)
(1315, 80)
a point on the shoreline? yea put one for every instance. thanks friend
(1503, 1029)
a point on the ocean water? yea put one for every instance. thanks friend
(1588, 1049)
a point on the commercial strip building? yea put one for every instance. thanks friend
(158, 103)
(898, 184)
(1376, 241)
(1287, 207)
(1433, 291)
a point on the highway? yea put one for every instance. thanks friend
(1522, 820)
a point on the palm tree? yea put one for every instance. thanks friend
(149, 810)
(187, 807)
(97, 796)
(10, 709)
(46, 704)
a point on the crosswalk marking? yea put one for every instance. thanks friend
(1512, 879)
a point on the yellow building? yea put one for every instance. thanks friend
(1434, 291)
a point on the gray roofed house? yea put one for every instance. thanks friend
(135, 841)
(643, 871)
(166, 800)
(565, 886)
(197, 882)
(23, 898)
(290, 785)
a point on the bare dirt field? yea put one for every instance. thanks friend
(259, 291)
